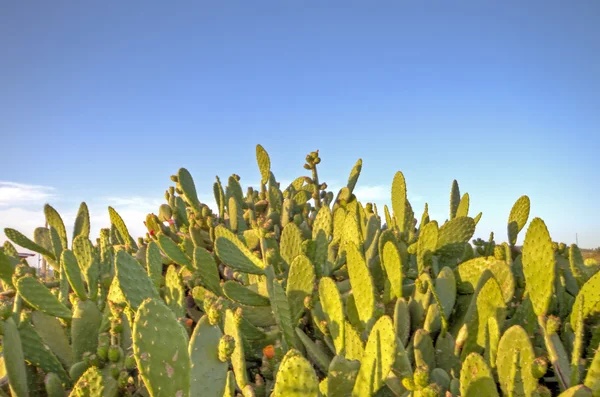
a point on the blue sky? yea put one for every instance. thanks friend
(102, 102)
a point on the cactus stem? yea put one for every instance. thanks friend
(553, 355)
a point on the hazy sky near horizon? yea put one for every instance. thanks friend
(103, 101)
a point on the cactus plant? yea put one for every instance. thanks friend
(298, 291)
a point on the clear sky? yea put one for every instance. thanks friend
(103, 101)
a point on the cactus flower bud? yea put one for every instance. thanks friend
(116, 326)
(94, 360)
(114, 353)
(421, 376)
(421, 286)
(226, 347)
(5, 310)
(213, 315)
(552, 325)
(408, 384)
(269, 351)
(433, 390)
(539, 367)
(308, 302)
(115, 370)
(123, 379)
(130, 363)
(542, 391)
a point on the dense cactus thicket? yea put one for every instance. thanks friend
(298, 292)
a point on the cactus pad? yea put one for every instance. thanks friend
(160, 347)
(234, 253)
(476, 378)
(295, 377)
(39, 297)
(539, 266)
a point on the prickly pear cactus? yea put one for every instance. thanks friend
(297, 291)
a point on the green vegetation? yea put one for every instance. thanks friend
(298, 292)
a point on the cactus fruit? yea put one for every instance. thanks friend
(297, 292)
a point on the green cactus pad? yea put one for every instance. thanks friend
(454, 199)
(476, 378)
(6, 269)
(519, 214)
(587, 300)
(426, 244)
(539, 266)
(339, 220)
(300, 284)
(53, 335)
(36, 353)
(264, 163)
(354, 345)
(316, 353)
(239, 293)
(592, 379)
(468, 274)
(82, 222)
(208, 374)
(342, 376)
(352, 233)
(232, 327)
(402, 320)
(363, 289)
(234, 253)
(69, 263)
(577, 391)
(333, 309)
(154, 264)
(445, 285)
(463, 206)
(116, 220)
(39, 297)
(423, 349)
(95, 383)
(354, 175)
(172, 250)
(134, 283)
(186, 182)
(21, 240)
(53, 386)
(445, 357)
(283, 315)
(399, 200)
(174, 292)
(14, 359)
(515, 344)
(393, 267)
(295, 377)
(85, 255)
(160, 347)
(85, 328)
(488, 302)
(378, 358)
(454, 234)
(324, 222)
(55, 222)
(207, 270)
(259, 316)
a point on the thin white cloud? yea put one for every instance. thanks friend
(376, 193)
(13, 193)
